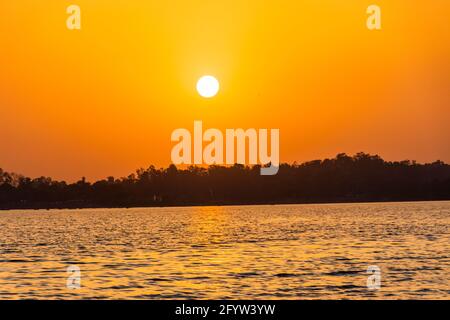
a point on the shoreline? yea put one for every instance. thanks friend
(218, 204)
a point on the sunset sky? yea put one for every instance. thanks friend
(104, 100)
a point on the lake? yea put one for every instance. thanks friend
(236, 252)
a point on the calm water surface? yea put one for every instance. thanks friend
(244, 252)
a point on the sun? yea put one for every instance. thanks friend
(208, 86)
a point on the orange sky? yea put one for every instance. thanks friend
(104, 100)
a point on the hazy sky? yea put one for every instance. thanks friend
(104, 100)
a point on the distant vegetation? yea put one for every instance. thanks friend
(362, 177)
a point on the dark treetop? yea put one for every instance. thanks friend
(362, 177)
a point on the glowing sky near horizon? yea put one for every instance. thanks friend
(104, 100)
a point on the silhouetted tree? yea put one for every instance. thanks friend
(363, 177)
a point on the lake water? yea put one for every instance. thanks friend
(242, 252)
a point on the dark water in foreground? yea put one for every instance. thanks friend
(246, 252)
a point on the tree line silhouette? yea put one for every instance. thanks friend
(362, 177)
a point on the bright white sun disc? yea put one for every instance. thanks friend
(208, 86)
